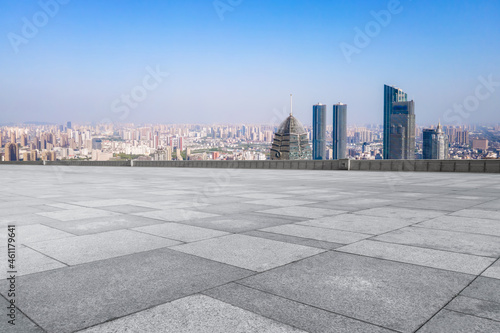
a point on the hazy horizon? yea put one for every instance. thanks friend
(237, 61)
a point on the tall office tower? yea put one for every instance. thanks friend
(290, 140)
(402, 131)
(435, 145)
(339, 133)
(319, 132)
(96, 144)
(391, 95)
(24, 140)
(13, 137)
(68, 125)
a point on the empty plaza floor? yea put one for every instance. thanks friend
(121, 249)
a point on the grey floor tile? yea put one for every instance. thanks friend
(127, 209)
(279, 202)
(484, 288)
(77, 214)
(28, 261)
(101, 224)
(373, 225)
(493, 271)
(299, 315)
(82, 249)
(322, 234)
(475, 307)
(175, 215)
(25, 234)
(413, 215)
(464, 224)
(478, 213)
(454, 322)
(301, 211)
(181, 232)
(231, 208)
(480, 245)
(21, 323)
(78, 297)
(458, 262)
(393, 295)
(194, 314)
(248, 252)
(294, 240)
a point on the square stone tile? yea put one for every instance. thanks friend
(373, 225)
(181, 232)
(484, 288)
(475, 307)
(252, 253)
(127, 209)
(263, 195)
(22, 323)
(478, 213)
(28, 261)
(82, 249)
(493, 271)
(464, 224)
(458, 262)
(412, 215)
(77, 214)
(329, 235)
(293, 313)
(294, 240)
(280, 202)
(454, 322)
(479, 245)
(237, 223)
(74, 298)
(231, 208)
(194, 314)
(25, 234)
(106, 202)
(305, 212)
(101, 224)
(175, 215)
(435, 204)
(393, 295)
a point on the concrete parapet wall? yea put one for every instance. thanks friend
(481, 166)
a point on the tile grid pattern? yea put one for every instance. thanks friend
(356, 252)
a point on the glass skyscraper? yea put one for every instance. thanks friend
(319, 132)
(339, 131)
(402, 131)
(391, 95)
(436, 145)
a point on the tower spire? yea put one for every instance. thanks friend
(291, 105)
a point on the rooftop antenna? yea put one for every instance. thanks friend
(291, 105)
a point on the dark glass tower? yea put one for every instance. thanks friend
(391, 95)
(435, 144)
(319, 132)
(339, 131)
(402, 131)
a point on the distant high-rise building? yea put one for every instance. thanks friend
(391, 95)
(11, 152)
(319, 132)
(435, 144)
(13, 137)
(96, 144)
(339, 133)
(290, 140)
(68, 125)
(402, 131)
(24, 140)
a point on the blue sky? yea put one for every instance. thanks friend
(232, 61)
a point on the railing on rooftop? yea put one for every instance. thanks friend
(481, 166)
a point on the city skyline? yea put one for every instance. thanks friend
(195, 62)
